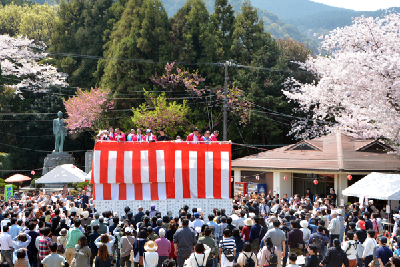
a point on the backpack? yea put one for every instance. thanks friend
(317, 240)
(349, 247)
(198, 265)
(273, 258)
(249, 261)
(361, 224)
(228, 253)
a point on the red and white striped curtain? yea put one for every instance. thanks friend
(162, 170)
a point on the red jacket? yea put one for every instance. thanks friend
(213, 138)
(144, 138)
(190, 137)
(122, 138)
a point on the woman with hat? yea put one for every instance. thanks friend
(62, 241)
(305, 230)
(150, 257)
(248, 223)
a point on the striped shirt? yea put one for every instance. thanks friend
(227, 243)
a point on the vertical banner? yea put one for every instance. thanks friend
(8, 191)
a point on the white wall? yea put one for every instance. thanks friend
(281, 186)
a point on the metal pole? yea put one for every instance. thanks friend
(225, 106)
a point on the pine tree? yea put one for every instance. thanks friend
(223, 22)
(80, 31)
(141, 34)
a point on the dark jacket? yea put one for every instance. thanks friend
(32, 250)
(312, 261)
(100, 263)
(335, 257)
(255, 232)
(295, 237)
(92, 237)
(138, 217)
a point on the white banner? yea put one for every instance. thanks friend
(173, 205)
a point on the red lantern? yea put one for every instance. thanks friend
(33, 172)
(349, 177)
(285, 178)
(315, 181)
(257, 177)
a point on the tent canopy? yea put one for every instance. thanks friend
(66, 173)
(376, 185)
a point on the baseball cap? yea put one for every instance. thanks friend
(128, 230)
(148, 131)
(383, 239)
(196, 215)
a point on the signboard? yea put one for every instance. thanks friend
(8, 191)
(341, 202)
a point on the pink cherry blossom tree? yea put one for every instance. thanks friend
(22, 61)
(358, 86)
(86, 109)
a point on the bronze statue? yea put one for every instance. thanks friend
(60, 131)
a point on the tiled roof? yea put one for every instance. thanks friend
(338, 152)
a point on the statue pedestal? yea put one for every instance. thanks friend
(55, 159)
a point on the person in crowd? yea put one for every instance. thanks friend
(127, 242)
(199, 256)
(335, 256)
(246, 254)
(195, 137)
(103, 259)
(54, 259)
(207, 137)
(32, 249)
(383, 253)
(73, 236)
(184, 241)
(149, 137)
(62, 241)
(6, 246)
(170, 236)
(107, 240)
(278, 239)
(82, 252)
(150, 257)
(164, 247)
(163, 136)
(312, 260)
(111, 134)
(227, 249)
(334, 227)
(207, 239)
(213, 137)
(131, 136)
(292, 260)
(350, 247)
(138, 248)
(118, 135)
(21, 242)
(43, 242)
(93, 248)
(369, 246)
(295, 238)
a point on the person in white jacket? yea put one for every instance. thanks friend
(350, 248)
(199, 257)
(369, 246)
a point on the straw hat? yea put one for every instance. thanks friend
(304, 224)
(150, 246)
(248, 222)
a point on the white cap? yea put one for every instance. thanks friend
(128, 230)
(334, 212)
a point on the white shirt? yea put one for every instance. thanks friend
(201, 259)
(6, 242)
(350, 248)
(198, 223)
(109, 245)
(150, 259)
(4, 223)
(369, 246)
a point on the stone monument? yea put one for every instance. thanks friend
(58, 157)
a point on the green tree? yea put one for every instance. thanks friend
(223, 21)
(191, 33)
(141, 33)
(248, 34)
(157, 113)
(80, 31)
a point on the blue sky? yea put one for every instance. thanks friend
(361, 5)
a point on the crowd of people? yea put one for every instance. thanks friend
(58, 229)
(136, 136)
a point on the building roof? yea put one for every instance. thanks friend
(334, 152)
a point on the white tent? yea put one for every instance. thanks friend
(66, 173)
(376, 185)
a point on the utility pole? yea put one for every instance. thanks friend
(225, 106)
